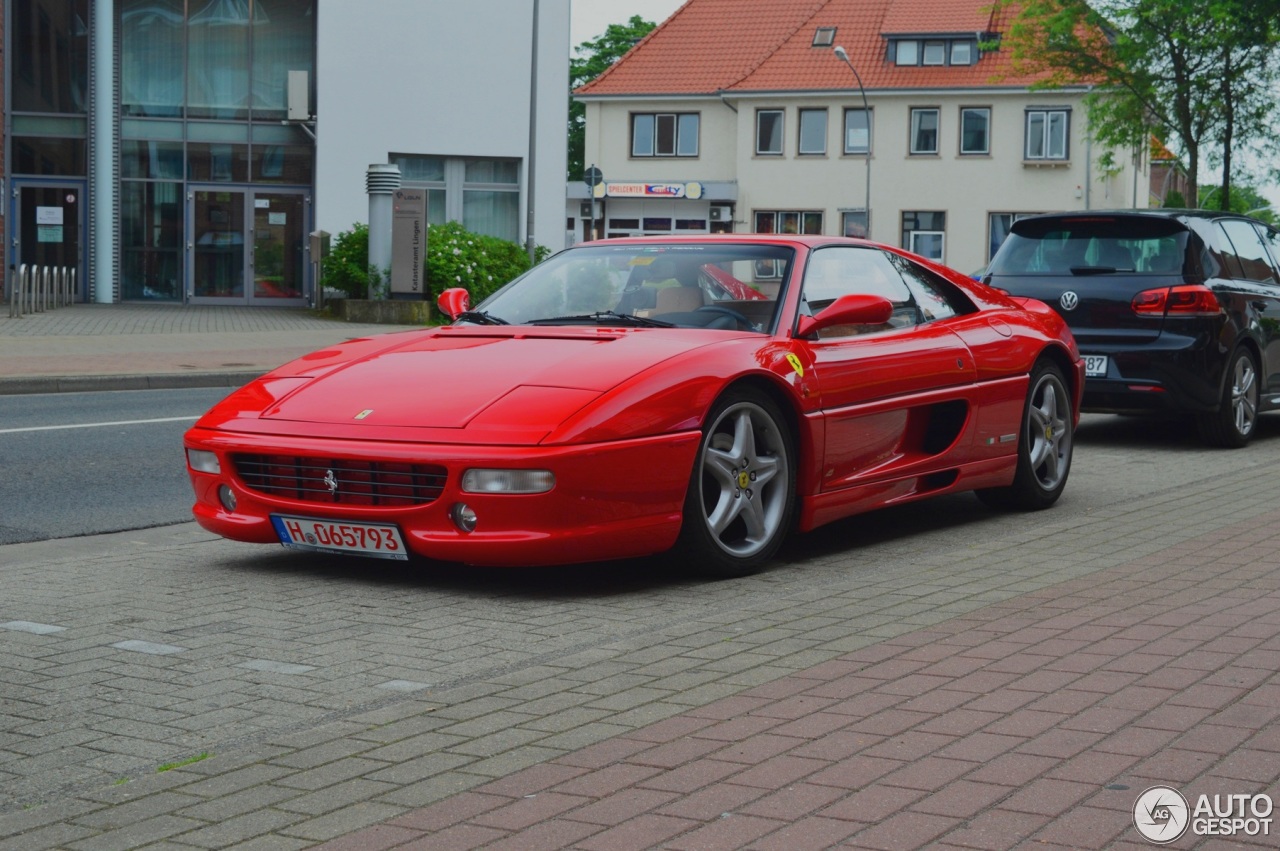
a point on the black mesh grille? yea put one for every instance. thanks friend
(336, 480)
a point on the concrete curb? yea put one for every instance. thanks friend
(94, 383)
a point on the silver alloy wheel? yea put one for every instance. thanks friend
(1049, 431)
(745, 479)
(1244, 395)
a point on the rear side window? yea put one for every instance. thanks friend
(1253, 261)
(1092, 245)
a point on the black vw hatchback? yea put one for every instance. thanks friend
(1172, 309)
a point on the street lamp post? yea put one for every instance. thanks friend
(843, 56)
(530, 242)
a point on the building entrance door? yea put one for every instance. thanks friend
(248, 247)
(279, 258)
(50, 226)
(216, 254)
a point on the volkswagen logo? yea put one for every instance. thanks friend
(331, 482)
(1069, 300)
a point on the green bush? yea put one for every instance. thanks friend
(456, 257)
(347, 266)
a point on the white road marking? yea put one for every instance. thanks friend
(99, 425)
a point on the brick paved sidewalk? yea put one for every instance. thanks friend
(141, 346)
(1032, 722)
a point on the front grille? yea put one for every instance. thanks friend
(340, 480)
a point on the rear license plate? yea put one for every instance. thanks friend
(1095, 366)
(379, 540)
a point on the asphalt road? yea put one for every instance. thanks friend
(86, 463)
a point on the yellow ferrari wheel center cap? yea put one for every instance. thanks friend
(743, 479)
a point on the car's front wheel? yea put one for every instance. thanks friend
(1044, 446)
(742, 489)
(1232, 425)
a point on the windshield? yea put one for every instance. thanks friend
(733, 286)
(1088, 245)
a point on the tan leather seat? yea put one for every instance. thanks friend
(678, 300)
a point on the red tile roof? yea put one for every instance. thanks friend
(738, 46)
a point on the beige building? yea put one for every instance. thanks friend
(710, 125)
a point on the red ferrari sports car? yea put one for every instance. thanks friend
(630, 396)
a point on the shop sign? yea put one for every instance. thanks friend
(692, 190)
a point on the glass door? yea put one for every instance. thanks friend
(217, 258)
(50, 224)
(279, 259)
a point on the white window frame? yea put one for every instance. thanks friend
(681, 128)
(906, 52)
(780, 135)
(986, 148)
(916, 113)
(870, 117)
(911, 238)
(968, 50)
(934, 53)
(812, 114)
(1053, 143)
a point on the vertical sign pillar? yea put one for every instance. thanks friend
(408, 244)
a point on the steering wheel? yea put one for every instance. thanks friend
(725, 311)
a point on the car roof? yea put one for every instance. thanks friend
(807, 240)
(1178, 213)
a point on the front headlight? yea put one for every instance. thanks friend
(203, 462)
(507, 481)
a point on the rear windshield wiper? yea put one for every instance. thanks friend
(480, 317)
(1096, 270)
(605, 317)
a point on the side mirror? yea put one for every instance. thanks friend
(454, 301)
(852, 309)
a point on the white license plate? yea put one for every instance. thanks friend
(380, 540)
(1095, 366)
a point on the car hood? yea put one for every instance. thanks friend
(470, 377)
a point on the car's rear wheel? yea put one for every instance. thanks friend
(1044, 447)
(1232, 425)
(742, 490)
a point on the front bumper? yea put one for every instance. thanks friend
(613, 500)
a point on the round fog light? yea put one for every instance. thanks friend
(463, 516)
(227, 497)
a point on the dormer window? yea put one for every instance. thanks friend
(933, 51)
(824, 36)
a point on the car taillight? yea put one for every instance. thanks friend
(1188, 300)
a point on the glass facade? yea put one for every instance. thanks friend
(203, 92)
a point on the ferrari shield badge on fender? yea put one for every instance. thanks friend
(794, 360)
(364, 413)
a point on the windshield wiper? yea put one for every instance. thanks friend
(1096, 270)
(480, 317)
(605, 317)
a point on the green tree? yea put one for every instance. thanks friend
(1198, 74)
(593, 58)
(1244, 199)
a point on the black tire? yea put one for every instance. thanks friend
(742, 487)
(1044, 445)
(1233, 424)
